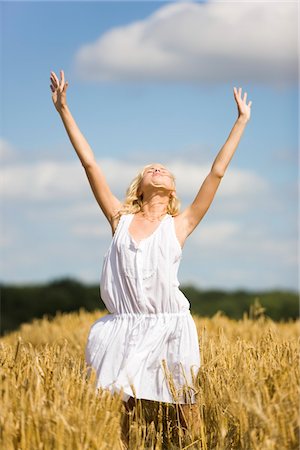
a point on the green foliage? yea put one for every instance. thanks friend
(278, 305)
(23, 303)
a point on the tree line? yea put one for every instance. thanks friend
(23, 303)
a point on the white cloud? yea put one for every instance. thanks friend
(8, 235)
(217, 233)
(229, 253)
(236, 242)
(42, 180)
(7, 151)
(90, 230)
(61, 181)
(238, 183)
(190, 42)
(242, 239)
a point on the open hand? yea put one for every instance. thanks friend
(59, 89)
(244, 110)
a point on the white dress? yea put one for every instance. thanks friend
(148, 345)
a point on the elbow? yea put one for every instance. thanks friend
(88, 164)
(218, 172)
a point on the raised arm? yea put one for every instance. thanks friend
(108, 203)
(192, 215)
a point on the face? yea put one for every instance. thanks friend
(156, 175)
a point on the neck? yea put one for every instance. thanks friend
(155, 207)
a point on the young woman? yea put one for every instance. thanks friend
(147, 347)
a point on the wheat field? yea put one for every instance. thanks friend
(248, 389)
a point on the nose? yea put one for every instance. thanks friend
(156, 170)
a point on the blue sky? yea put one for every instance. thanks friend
(150, 81)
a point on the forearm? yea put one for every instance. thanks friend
(227, 151)
(77, 139)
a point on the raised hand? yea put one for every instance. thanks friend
(244, 110)
(59, 89)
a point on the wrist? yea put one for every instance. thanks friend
(62, 109)
(243, 120)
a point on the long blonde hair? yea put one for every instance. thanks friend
(133, 202)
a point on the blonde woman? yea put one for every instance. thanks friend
(147, 347)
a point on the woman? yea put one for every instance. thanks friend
(147, 347)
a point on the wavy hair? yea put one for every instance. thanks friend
(133, 202)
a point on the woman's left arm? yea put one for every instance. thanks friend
(193, 214)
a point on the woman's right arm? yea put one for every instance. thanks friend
(108, 203)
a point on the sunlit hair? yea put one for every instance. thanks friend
(133, 202)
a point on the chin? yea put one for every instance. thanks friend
(158, 184)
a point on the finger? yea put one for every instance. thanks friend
(53, 81)
(55, 78)
(236, 94)
(62, 76)
(53, 87)
(245, 97)
(240, 91)
(250, 103)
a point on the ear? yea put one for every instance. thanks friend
(172, 194)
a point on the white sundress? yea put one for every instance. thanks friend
(148, 345)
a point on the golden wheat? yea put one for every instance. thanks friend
(248, 390)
